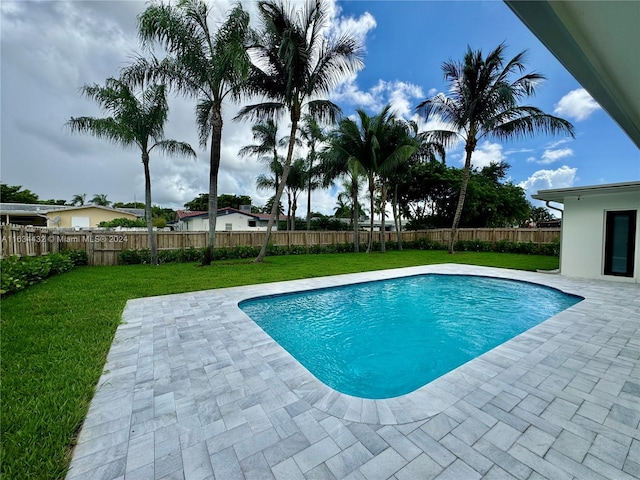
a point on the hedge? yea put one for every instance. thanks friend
(18, 273)
(134, 257)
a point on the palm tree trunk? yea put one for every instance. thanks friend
(396, 216)
(294, 207)
(277, 178)
(463, 193)
(288, 211)
(283, 181)
(371, 205)
(355, 217)
(383, 233)
(309, 203)
(214, 161)
(147, 209)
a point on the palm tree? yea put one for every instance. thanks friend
(295, 66)
(265, 134)
(206, 66)
(425, 150)
(135, 121)
(396, 145)
(99, 199)
(79, 199)
(375, 147)
(313, 136)
(343, 205)
(348, 152)
(484, 102)
(296, 183)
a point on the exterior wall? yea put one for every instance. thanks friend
(95, 215)
(238, 221)
(583, 235)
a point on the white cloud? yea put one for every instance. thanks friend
(355, 27)
(486, 154)
(550, 156)
(49, 50)
(577, 105)
(400, 95)
(349, 92)
(545, 179)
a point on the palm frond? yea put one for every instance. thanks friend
(524, 122)
(173, 147)
(204, 119)
(261, 112)
(105, 128)
(265, 182)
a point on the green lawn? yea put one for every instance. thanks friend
(55, 336)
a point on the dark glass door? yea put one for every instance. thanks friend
(620, 243)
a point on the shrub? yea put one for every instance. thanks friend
(424, 244)
(133, 257)
(129, 257)
(18, 273)
(123, 222)
(78, 257)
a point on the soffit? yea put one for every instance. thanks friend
(599, 44)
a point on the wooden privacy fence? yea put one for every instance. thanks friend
(103, 246)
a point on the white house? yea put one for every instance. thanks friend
(599, 236)
(229, 220)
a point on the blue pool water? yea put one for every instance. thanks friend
(387, 338)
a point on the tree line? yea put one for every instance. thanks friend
(288, 66)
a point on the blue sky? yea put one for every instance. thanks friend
(410, 41)
(50, 49)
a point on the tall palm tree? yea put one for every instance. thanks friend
(377, 144)
(484, 102)
(99, 199)
(296, 183)
(79, 199)
(312, 136)
(396, 145)
(350, 151)
(136, 121)
(425, 150)
(295, 66)
(208, 66)
(265, 134)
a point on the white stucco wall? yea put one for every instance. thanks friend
(239, 223)
(583, 234)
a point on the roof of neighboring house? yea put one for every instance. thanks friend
(28, 208)
(36, 208)
(138, 212)
(559, 194)
(184, 214)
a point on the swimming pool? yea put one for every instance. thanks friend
(386, 338)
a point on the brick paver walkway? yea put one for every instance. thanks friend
(194, 389)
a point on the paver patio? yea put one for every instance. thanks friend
(194, 389)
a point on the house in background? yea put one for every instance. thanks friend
(599, 236)
(63, 216)
(229, 220)
(89, 216)
(26, 213)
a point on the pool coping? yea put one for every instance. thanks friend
(229, 357)
(419, 404)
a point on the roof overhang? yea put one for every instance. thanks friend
(559, 194)
(599, 44)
